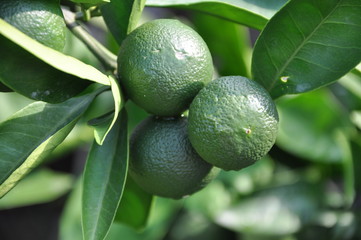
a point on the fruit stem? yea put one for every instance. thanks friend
(107, 58)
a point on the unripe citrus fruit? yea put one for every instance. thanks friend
(233, 122)
(162, 65)
(39, 19)
(162, 160)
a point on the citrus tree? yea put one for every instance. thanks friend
(248, 113)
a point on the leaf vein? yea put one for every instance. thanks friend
(294, 54)
(316, 64)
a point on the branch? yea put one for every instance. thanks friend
(107, 58)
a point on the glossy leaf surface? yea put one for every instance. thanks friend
(29, 135)
(102, 128)
(308, 44)
(46, 74)
(104, 179)
(254, 13)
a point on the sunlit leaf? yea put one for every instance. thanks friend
(102, 128)
(308, 44)
(91, 1)
(254, 13)
(46, 74)
(104, 179)
(39, 187)
(29, 135)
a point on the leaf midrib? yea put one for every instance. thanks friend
(53, 130)
(278, 74)
(104, 190)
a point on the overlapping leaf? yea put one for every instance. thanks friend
(28, 136)
(39, 72)
(50, 185)
(121, 16)
(254, 13)
(134, 208)
(103, 125)
(308, 44)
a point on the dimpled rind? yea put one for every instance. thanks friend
(41, 20)
(163, 162)
(233, 122)
(162, 65)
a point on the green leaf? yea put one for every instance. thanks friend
(29, 135)
(39, 187)
(254, 14)
(102, 128)
(135, 206)
(46, 74)
(308, 44)
(163, 215)
(94, 2)
(121, 17)
(235, 58)
(104, 179)
(315, 118)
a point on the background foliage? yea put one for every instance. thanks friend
(304, 52)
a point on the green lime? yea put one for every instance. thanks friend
(39, 19)
(233, 122)
(162, 65)
(162, 160)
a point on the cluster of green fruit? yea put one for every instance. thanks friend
(165, 67)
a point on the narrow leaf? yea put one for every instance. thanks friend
(254, 14)
(104, 179)
(121, 16)
(102, 129)
(91, 1)
(135, 206)
(39, 187)
(46, 74)
(31, 134)
(308, 44)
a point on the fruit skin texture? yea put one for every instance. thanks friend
(233, 122)
(41, 20)
(162, 160)
(162, 65)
